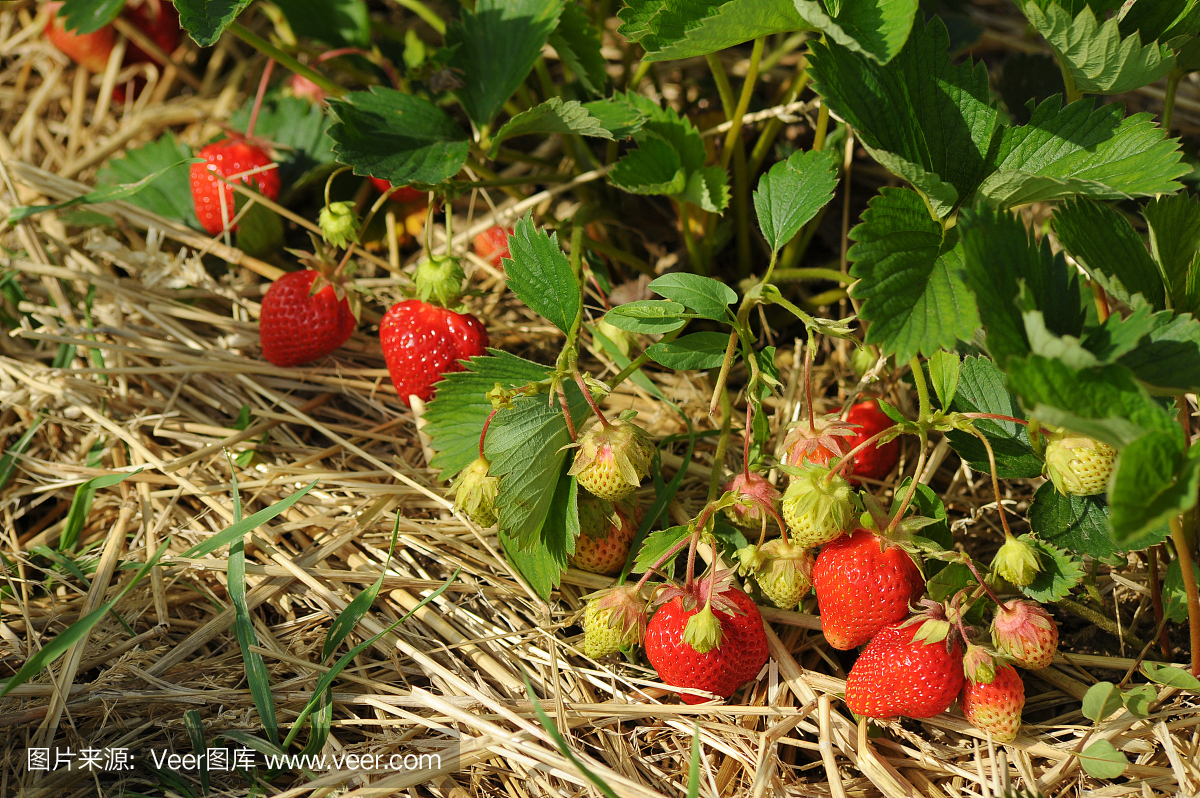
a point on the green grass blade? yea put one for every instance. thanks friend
(694, 767)
(81, 505)
(75, 632)
(239, 529)
(195, 730)
(10, 457)
(565, 749)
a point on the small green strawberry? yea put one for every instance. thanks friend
(475, 492)
(1076, 464)
(1017, 562)
(612, 460)
(614, 619)
(339, 224)
(783, 571)
(817, 510)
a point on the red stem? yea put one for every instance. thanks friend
(587, 394)
(849, 458)
(671, 552)
(996, 416)
(812, 418)
(486, 424)
(987, 588)
(691, 566)
(258, 98)
(746, 449)
(562, 399)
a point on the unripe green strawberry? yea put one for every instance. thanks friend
(439, 280)
(475, 492)
(816, 510)
(756, 499)
(606, 533)
(1078, 465)
(614, 619)
(1017, 562)
(784, 573)
(610, 462)
(339, 224)
(1025, 633)
(995, 706)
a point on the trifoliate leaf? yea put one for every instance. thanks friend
(1099, 153)
(657, 544)
(1078, 524)
(647, 316)
(908, 270)
(577, 43)
(922, 117)
(540, 275)
(1104, 243)
(396, 136)
(875, 28)
(619, 118)
(981, 389)
(702, 295)
(1060, 572)
(1098, 59)
(792, 193)
(494, 48)
(1011, 274)
(653, 168)
(1171, 676)
(1101, 700)
(1175, 243)
(671, 29)
(1153, 481)
(1167, 359)
(707, 188)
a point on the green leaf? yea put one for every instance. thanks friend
(948, 581)
(707, 188)
(909, 283)
(1170, 676)
(1099, 153)
(698, 351)
(1010, 275)
(341, 23)
(1097, 58)
(171, 195)
(1174, 224)
(577, 43)
(541, 277)
(1102, 760)
(944, 370)
(81, 505)
(656, 546)
(981, 389)
(552, 116)
(1078, 524)
(9, 461)
(525, 445)
(1137, 699)
(1060, 572)
(1103, 403)
(875, 28)
(653, 168)
(89, 16)
(495, 47)
(51, 651)
(1101, 700)
(1174, 595)
(922, 117)
(1167, 359)
(260, 230)
(619, 118)
(600, 784)
(671, 29)
(1159, 19)
(238, 530)
(1104, 243)
(398, 137)
(206, 20)
(1152, 482)
(792, 193)
(704, 296)
(102, 194)
(647, 316)
(454, 418)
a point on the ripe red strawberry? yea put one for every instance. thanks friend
(403, 195)
(603, 546)
(873, 462)
(90, 50)
(299, 325)
(995, 706)
(492, 244)
(863, 584)
(422, 342)
(156, 18)
(901, 674)
(739, 656)
(226, 158)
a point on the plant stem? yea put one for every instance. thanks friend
(767, 138)
(423, 11)
(488, 423)
(689, 242)
(1073, 93)
(822, 128)
(912, 489)
(743, 102)
(848, 457)
(1099, 619)
(566, 409)
(714, 481)
(587, 394)
(922, 389)
(258, 97)
(1184, 555)
(643, 67)
(1169, 100)
(741, 209)
(746, 441)
(967, 561)
(723, 374)
(671, 552)
(721, 78)
(808, 393)
(270, 50)
(995, 484)
(997, 417)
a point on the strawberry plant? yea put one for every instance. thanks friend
(1012, 294)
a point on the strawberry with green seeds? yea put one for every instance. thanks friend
(612, 459)
(818, 506)
(606, 534)
(755, 499)
(783, 571)
(1025, 633)
(1076, 464)
(613, 619)
(475, 492)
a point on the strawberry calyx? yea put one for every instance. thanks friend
(934, 625)
(753, 499)
(698, 593)
(439, 280)
(979, 664)
(1017, 562)
(339, 224)
(703, 630)
(817, 443)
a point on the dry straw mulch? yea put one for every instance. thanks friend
(180, 362)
